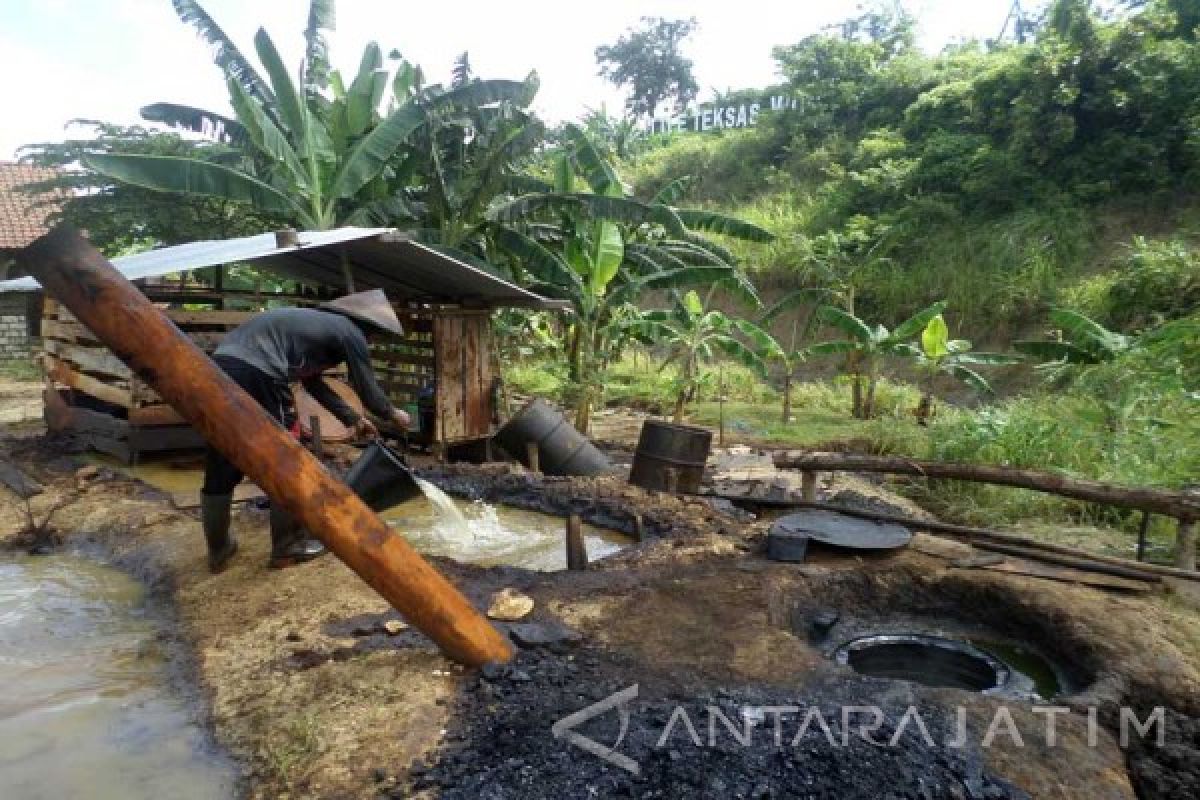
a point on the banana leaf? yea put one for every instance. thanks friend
(713, 222)
(191, 176)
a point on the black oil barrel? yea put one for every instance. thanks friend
(381, 478)
(665, 446)
(562, 450)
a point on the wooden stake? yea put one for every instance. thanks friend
(639, 528)
(577, 558)
(1142, 529)
(318, 445)
(532, 456)
(808, 486)
(1185, 545)
(76, 274)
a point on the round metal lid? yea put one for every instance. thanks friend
(840, 530)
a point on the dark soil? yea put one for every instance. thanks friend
(499, 746)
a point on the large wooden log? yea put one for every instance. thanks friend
(1160, 501)
(80, 278)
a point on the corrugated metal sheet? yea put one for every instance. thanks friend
(379, 258)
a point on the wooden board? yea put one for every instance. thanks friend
(60, 372)
(332, 430)
(149, 416)
(98, 360)
(451, 402)
(1034, 569)
(231, 318)
(17, 481)
(477, 387)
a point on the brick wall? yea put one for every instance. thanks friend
(14, 327)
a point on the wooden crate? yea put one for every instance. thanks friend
(92, 393)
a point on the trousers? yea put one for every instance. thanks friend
(220, 475)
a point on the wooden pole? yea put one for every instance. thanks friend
(122, 318)
(532, 456)
(1185, 545)
(808, 486)
(974, 535)
(1181, 505)
(1143, 528)
(577, 558)
(1084, 563)
(639, 528)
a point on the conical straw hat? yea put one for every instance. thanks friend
(370, 307)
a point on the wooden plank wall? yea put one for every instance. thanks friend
(76, 363)
(405, 365)
(464, 397)
(446, 348)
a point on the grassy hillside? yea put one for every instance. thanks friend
(1003, 178)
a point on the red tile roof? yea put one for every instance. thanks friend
(24, 216)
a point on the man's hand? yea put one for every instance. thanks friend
(401, 418)
(365, 429)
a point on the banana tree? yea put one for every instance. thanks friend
(941, 355)
(600, 249)
(314, 155)
(322, 152)
(866, 346)
(793, 354)
(1080, 340)
(694, 335)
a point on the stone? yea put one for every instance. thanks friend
(90, 472)
(530, 635)
(510, 605)
(394, 627)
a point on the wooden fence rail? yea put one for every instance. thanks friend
(1183, 506)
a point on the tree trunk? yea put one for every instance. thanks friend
(872, 382)
(856, 395)
(680, 405)
(787, 398)
(924, 409)
(583, 411)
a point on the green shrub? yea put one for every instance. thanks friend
(536, 378)
(1158, 281)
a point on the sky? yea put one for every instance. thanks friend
(105, 59)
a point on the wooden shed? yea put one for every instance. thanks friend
(441, 370)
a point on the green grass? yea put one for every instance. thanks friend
(20, 369)
(811, 428)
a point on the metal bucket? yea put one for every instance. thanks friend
(381, 478)
(664, 448)
(562, 450)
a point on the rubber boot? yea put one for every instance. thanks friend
(291, 544)
(214, 518)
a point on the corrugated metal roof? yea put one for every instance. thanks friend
(379, 258)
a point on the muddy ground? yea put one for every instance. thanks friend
(308, 687)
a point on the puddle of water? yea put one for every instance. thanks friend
(494, 535)
(85, 710)
(474, 533)
(174, 477)
(1027, 665)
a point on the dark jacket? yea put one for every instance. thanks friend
(298, 344)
